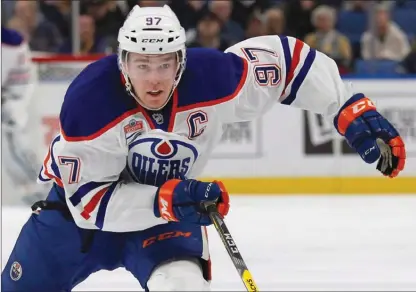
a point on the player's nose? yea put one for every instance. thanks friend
(153, 78)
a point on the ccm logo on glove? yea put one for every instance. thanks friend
(350, 113)
(361, 105)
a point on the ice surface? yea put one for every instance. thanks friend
(326, 243)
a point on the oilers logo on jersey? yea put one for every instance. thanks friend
(153, 160)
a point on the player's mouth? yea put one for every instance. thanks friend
(155, 93)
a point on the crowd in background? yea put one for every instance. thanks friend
(338, 28)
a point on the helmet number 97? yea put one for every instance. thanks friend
(153, 20)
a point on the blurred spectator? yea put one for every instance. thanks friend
(90, 43)
(151, 3)
(298, 15)
(123, 6)
(209, 33)
(408, 65)
(189, 11)
(107, 15)
(19, 25)
(7, 8)
(337, 4)
(38, 32)
(356, 5)
(221, 23)
(328, 40)
(275, 22)
(147, 3)
(387, 42)
(231, 31)
(255, 25)
(58, 12)
(244, 9)
(401, 3)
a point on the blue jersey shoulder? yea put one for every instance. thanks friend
(210, 77)
(10, 37)
(94, 100)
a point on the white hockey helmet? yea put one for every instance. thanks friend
(151, 30)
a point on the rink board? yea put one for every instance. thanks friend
(319, 185)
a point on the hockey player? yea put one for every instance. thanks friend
(17, 83)
(137, 129)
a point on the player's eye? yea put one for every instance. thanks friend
(142, 67)
(166, 66)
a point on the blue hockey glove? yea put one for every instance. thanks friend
(371, 135)
(181, 200)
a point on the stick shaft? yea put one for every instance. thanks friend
(232, 249)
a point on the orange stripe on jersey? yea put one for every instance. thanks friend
(47, 173)
(92, 204)
(350, 113)
(102, 130)
(295, 62)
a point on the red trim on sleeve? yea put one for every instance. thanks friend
(295, 62)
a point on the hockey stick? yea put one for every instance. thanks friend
(231, 248)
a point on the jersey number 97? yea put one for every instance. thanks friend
(265, 74)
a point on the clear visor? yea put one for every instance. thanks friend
(150, 67)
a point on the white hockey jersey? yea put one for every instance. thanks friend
(112, 154)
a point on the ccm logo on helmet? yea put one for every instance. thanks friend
(152, 40)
